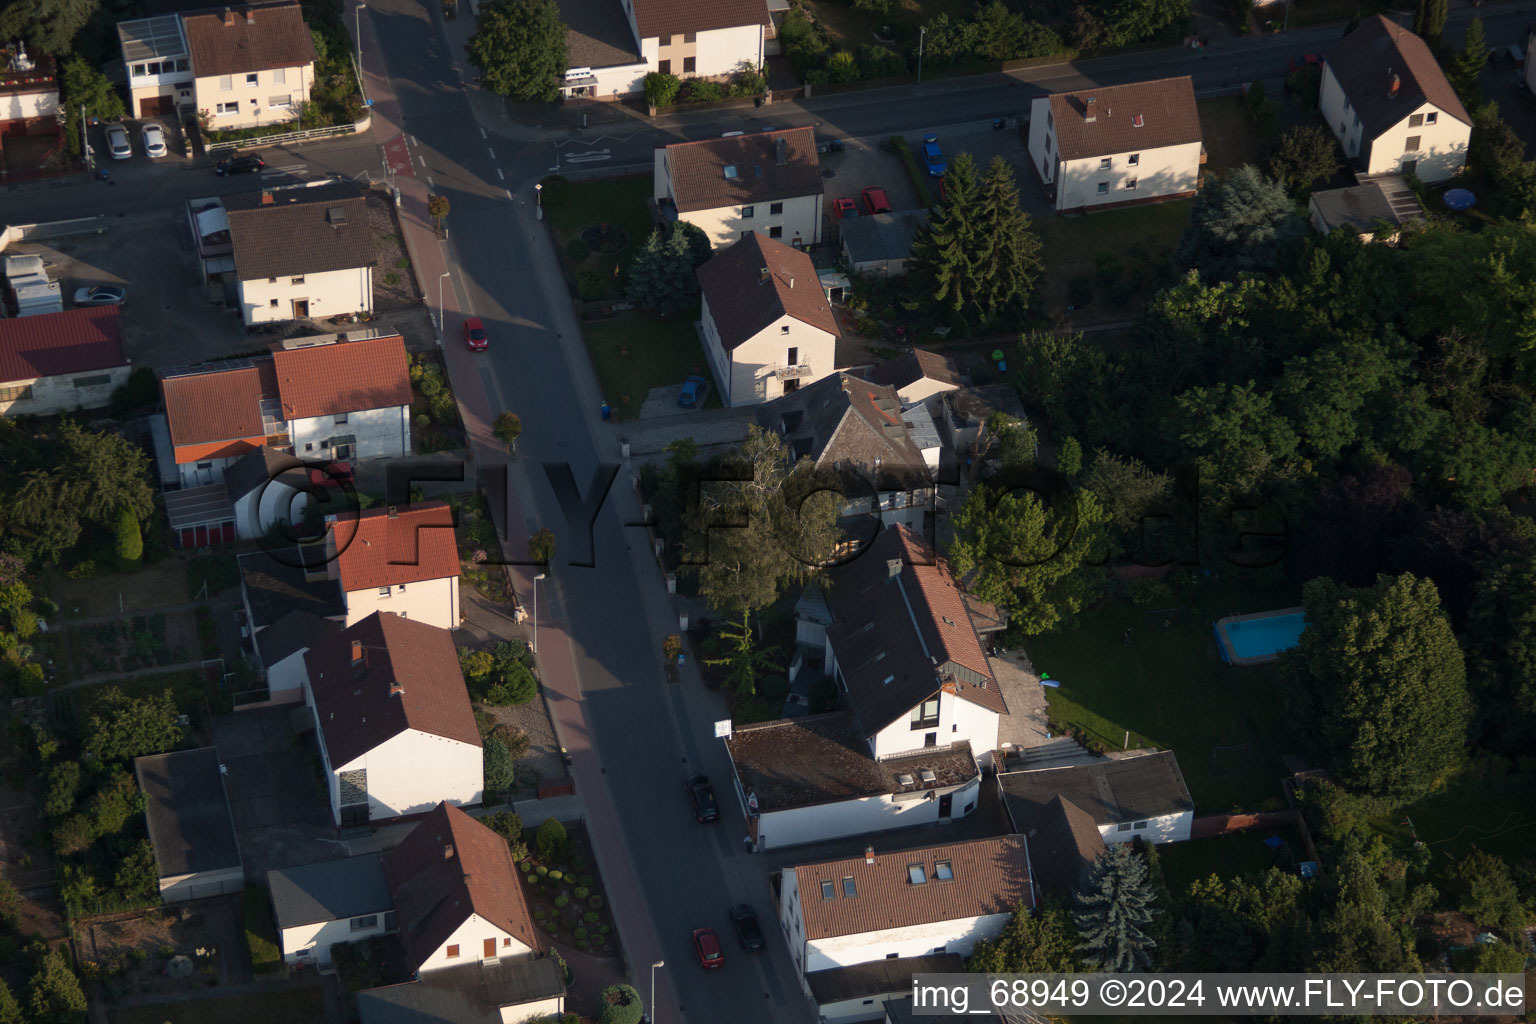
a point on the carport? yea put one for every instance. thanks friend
(201, 516)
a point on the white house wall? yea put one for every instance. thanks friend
(1169, 171)
(381, 434)
(958, 936)
(799, 220)
(286, 679)
(435, 602)
(329, 293)
(958, 720)
(470, 938)
(203, 471)
(269, 101)
(200, 886)
(921, 390)
(64, 392)
(258, 511)
(751, 364)
(1169, 828)
(412, 772)
(311, 943)
(853, 1011)
(1442, 148)
(619, 81)
(533, 1010)
(17, 106)
(799, 825)
(716, 53)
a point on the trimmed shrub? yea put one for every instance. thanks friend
(551, 839)
(130, 540)
(590, 917)
(596, 902)
(582, 892)
(543, 870)
(556, 875)
(620, 1004)
(562, 901)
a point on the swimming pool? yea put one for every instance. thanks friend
(1255, 639)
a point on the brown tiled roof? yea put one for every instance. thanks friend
(1364, 62)
(822, 759)
(448, 868)
(1165, 106)
(1109, 791)
(377, 549)
(658, 19)
(1063, 840)
(897, 639)
(844, 420)
(354, 702)
(349, 376)
(218, 405)
(597, 34)
(743, 302)
(300, 231)
(257, 37)
(914, 365)
(75, 341)
(699, 180)
(991, 877)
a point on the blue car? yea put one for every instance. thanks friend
(933, 156)
(693, 390)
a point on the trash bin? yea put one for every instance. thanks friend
(607, 412)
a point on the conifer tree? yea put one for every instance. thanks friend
(661, 278)
(1007, 251)
(1467, 66)
(1114, 904)
(944, 254)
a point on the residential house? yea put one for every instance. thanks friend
(608, 58)
(1138, 797)
(765, 336)
(809, 779)
(603, 59)
(61, 362)
(319, 905)
(190, 824)
(456, 894)
(29, 94)
(208, 222)
(884, 457)
(902, 903)
(1376, 209)
(400, 560)
(729, 188)
(301, 251)
(253, 64)
(1390, 106)
(158, 65)
(880, 244)
(281, 649)
(1117, 145)
(397, 734)
(963, 416)
(218, 413)
(917, 375)
(859, 992)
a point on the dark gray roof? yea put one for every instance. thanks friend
(1063, 840)
(878, 977)
(295, 631)
(899, 1011)
(843, 419)
(1362, 206)
(187, 811)
(883, 236)
(914, 365)
(415, 1003)
(251, 471)
(597, 34)
(299, 230)
(508, 982)
(1365, 62)
(971, 407)
(274, 589)
(198, 506)
(332, 890)
(1109, 791)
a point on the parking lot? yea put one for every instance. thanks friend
(140, 165)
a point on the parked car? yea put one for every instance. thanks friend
(475, 338)
(875, 201)
(747, 929)
(1306, 60)
(117, 142)
(933, 157)
(707, 945)
(693, 390)
(702, 796)
(845, 207)
(239, 165)
(101, 295)
(154, 140)
(731, 135)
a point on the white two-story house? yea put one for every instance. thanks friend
(1117, 145)
(397, 732)
(1390, 106)
(400, 560)
(767, 325)
(301, 251)
(612, 44)
(767, 182)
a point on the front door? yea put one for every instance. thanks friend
(300, 309)
(354, 816)
(946, 804)
(490, 949)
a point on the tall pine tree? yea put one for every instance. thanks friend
(661, 279)
(1114, 905)
(1008, 252)
(1467, 66)
(944, 254)
(1429, 21)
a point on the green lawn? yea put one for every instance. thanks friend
(635, 352)
(619, 202)
(1502, 824)
(1140, 237)
(260, 934)
(1240, 853)
(1231, 134)
(280, 1006)
(1170, 689)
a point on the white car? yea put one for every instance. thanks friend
(101, 295)
(154, 141)
(117, 142)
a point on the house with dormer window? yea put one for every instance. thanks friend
(767, 182)
(400, 560)
(301, 251)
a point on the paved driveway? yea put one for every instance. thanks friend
(280, 810)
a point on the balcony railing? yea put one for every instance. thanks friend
(792, 372)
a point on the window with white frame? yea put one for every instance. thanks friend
(1130, 183)
(1431, 117)
(229, 108)
(139, 71)
(252, 80)
(384, 591)
(362, 924)
(1103, 188)
(1104, 164)
(279, 102)
(1134, 159)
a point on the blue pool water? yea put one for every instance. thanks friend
(1262, 638)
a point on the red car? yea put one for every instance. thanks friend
(874, 199)
(474, 334)
(707, 944)
(1310, 60)
(845, 207)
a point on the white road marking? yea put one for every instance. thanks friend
(429, 182)
(412, 138)
(482, 132)
(508, 192)
(587, 158)
(491, 151)
(499, 175)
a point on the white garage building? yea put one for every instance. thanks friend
(190, 824)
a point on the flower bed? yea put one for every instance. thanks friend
(566, 896)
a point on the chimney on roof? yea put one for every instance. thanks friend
(791, 281)
(892, 568)
(357, 653)
(229, 17)
(869, 855)
(250, 16)
(448, 851)
(780, 152)
(1090, 110)
(1397, 83)
(266, 199)
(394, 512)
(396, 689)
(762, 275)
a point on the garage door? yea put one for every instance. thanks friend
(157, 106)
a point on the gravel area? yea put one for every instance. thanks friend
(543, 758)
(394, 280)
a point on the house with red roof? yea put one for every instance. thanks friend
(60, 362)
(401, 560)
(397, 733)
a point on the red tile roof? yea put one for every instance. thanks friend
(273, 36)
(377, 549)
(991, 876)
(355, 700)
(1126, 118)
(448, 868)
(349, 376)
(699, 181)
(207, 410)
(74, 341)
(742, 301)
(658, 19)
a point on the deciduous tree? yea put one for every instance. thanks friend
(1481, 885)
(1307, 153)
(121, 727)
(10, 1009)
(519, 49)
(54, 994)
(1429, 20)
(1040, 940)
(507, 427)
(47, 26)
(1114, 907)
(1501, 652)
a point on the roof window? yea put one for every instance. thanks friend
(849, 889)
(916, 875)
(336, 215)
(944, 871)
(1137, 121)
(730, 172)
(828, 890)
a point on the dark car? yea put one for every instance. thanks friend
(239, 165)
(707, 945)
(747, 928)
(702, 796)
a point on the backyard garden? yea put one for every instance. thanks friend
(564, 893)
(435, 425)
(289, 1005)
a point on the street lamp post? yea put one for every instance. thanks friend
(357, 23)
(658, 963)
(538, 199)
(922, 34)
(440, 326)
(536, 628)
